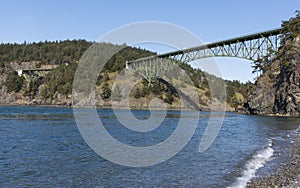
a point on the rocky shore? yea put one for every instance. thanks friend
(286, 176)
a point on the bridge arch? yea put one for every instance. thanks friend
(251, 47)
(231, 68)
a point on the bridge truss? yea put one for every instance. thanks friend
(32, 74)
(253, 47)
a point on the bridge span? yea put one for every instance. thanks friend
(254, 47)
(30, 74)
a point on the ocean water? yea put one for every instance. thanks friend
(42, 147)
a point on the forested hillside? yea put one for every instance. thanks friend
(56, 87)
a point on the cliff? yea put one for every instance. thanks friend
(287, 86)
(277, 90)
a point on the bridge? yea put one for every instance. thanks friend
(31, 74)
(254, 47)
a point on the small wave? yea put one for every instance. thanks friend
(251, 167)
(297, 130)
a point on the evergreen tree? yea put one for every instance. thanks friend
(13, 82)
(116, 94)
(106, 91)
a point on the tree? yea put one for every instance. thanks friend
(136, 93)
(116, 94)
(2, 65)
(237, 100)
(257, 67)
(168, 97)
(13, 82)
(105, 77)
(156, 88)
(106, 91)
(291, 28)
(32, 87)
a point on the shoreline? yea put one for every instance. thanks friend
(286, 175)
(106, 107)
(139, 108)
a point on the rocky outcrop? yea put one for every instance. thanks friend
(277, 91)
(287, 96)
(261, 100)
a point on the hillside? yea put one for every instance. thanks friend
(277, 90)
(55, 88)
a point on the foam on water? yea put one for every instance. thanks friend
(251, 166)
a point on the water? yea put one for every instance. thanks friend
(42, 147)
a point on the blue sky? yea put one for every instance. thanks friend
(34, 20)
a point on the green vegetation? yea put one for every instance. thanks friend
(59, 80)
(234, 87)
(291, 28)
(116, 94)
(57, 52)
(32, 87)
(237, 100)
(290, 31)
(106, 91)
(67, 54)
(13, 82)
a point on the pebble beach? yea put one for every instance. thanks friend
(288, 175)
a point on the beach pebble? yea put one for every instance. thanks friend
(288, 175)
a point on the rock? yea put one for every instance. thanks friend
(277, 91)
(262, 100)
(287, 98)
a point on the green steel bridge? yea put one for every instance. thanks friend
(31, 74)
(252, 47)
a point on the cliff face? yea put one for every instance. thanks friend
(287, 95)
(261, 100)
(277, 91)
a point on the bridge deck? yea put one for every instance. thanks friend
(41, 69)
(215, 44)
